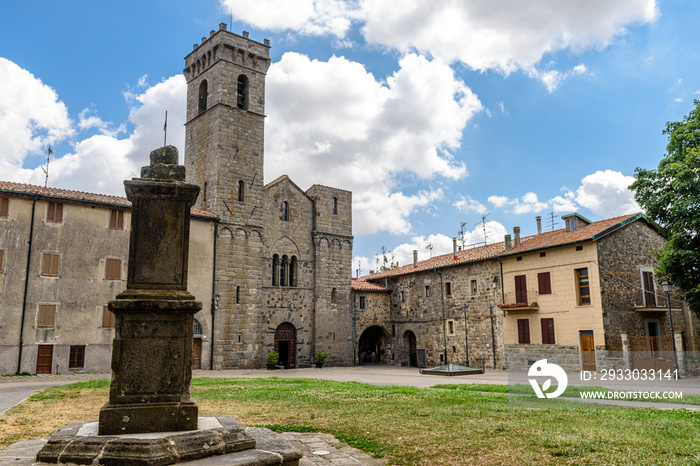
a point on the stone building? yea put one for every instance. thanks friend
(63, 256)
(583, 296)
(271, 263)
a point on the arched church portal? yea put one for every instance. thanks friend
(286, 345)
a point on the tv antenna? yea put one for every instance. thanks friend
(49, 151)
(483, 226)
(430, 246)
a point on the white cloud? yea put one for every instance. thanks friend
(316, 17)
(31, 117)
(466, 204)
(360, 134)
(99, 162)
(606, 193)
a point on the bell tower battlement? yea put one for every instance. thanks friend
(224, 129)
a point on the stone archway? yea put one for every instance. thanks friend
(409, 348)
(372, 345)
(286, 345)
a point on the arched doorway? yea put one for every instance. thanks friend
(371, 342)
(196, 345)
(409, 344)
(286, 345)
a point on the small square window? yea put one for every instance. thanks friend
(54, 212)
(543, 254)
(579, 248)
(77, 357)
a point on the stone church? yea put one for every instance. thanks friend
(271, 263)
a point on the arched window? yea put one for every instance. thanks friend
(242, 99)
(334, 296)
(203, 96)
(241, 191)
(335, 206)
(285, 211)
(283, 271)
(238, 295)
(293, 271)
(275, 269)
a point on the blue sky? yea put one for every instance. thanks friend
(432, 113)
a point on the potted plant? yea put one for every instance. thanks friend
(321, 357)
(272, 358)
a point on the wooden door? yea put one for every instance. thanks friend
(588, 351)
(197, 353)
(44, 358)
(286, 332)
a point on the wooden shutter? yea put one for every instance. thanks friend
(544, 283)
(648, 283)
(4, 207)
(547, 331)
(116, 219)
(47, 315)
(54, 212)
(2, 260)
(524, 331)
(113, 269)
(50, 265)
(520, 289)
(108, 317)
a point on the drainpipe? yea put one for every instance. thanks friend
(26, 286)
(354, 329)
(213, 298)
(444, 331)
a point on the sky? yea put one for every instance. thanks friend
(451, 118)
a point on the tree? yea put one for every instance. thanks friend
(670, 195)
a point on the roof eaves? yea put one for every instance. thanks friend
(539, 248)
(625, 222)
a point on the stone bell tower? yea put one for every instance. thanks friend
(224, 142)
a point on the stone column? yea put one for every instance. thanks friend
(626, 360)
(152, 349)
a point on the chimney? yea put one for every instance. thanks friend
(371, 272)
(508, 246)
(415, 257)
(539, 224)
(454, 248)
(516, 237)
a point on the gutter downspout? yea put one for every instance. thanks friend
(354, 330)
(444, 331)
(26, 286)
(213, 297)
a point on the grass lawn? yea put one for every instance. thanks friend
(405, 425)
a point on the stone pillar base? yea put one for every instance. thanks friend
(152, 417)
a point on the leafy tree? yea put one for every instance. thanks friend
(670, 195)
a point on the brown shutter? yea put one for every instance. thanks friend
(520, 289)
(55, 262)
(523, 331)
(2, 260)
(4, 207)
(544, 283)
(108, 317)
(50, 212)
(50, 265)
(113, 269)
(47, 315)
(59, 213)
(547, 331)
(649, 296)
(120, 220)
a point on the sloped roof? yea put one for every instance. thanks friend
(361, 284)
(549, 239)
(79, 196)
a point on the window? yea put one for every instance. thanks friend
(334, 296)
(204, 193)
(275, 269)
(196, 327)
(335, 206)
(108, 317)
(403, 296)
(203, 96)
(292, 272)
(579, 248)
(544, 283)
(547, 331)
(50, 265)
(363, 302)
(473, 286)
(113, 269)
(238, 295)
(648, 288)
(450, 327)
(242, 97)
(54, 212)
(448, 289)
(241, 191)
(4, 207)
(520, 289)
(116, 220)
(285, 211)
(47, 316)
(283, 271)
(77, 357)
(427, 291)
(584, 290)
(524, 331)
(2, 260)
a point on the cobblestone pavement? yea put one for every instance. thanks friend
(325, 449)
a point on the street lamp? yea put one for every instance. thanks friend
(466, 337)
(666, 286)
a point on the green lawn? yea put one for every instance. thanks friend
(409, 426)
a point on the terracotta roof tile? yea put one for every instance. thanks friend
(360, 284)
(79, 196)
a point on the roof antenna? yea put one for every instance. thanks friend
(49, 151)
